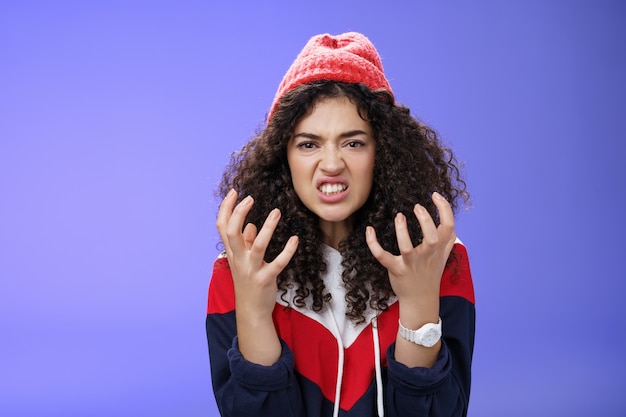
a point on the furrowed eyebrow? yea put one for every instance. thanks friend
(352, 133)
(344, 135)
(306, 135)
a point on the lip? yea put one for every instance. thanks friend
(334, 198)
(330, 180)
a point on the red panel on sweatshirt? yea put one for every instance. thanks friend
(312, 344)
(221, 289)
(457, 277)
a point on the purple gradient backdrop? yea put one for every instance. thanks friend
(117, 117)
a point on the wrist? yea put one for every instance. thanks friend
(258, 339)
(416, 313)
(252, 319)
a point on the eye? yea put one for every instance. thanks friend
(306, 145)
(355, 144)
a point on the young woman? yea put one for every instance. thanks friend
(342, 289)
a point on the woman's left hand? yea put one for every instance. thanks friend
(415, 274)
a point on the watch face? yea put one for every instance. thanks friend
(430, 338)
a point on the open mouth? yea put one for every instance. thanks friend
(331, 189)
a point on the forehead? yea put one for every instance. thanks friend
(333, 112)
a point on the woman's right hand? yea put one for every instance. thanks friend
(253, 278)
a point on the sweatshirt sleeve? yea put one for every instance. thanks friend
(243, 388)
(443, 390)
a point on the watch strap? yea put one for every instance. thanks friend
(428, 335)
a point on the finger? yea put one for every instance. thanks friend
(249, 234)
(385, 258)
(265, 234)
(235, 224)
(223, 216)
(429, 230)
(446, 216)
(446, 226)
(280, 262)
(402, 235)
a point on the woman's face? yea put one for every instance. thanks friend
(331, 159)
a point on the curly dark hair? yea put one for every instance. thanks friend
(410, 163)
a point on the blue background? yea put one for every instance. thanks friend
(117, 117)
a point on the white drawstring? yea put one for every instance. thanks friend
(340, 362)
(379, 378)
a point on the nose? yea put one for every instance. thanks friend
(331, 161)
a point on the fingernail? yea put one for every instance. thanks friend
(274, 214)
(437, 195)
(230, 193)
(246, 201)
(421, 209)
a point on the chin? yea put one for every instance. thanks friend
(334, 217)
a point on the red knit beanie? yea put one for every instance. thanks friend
(348, 58)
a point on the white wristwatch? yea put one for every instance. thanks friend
(428, 335)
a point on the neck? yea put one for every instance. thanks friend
(335, 232)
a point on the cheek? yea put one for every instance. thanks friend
(298, 174)
(369, 170)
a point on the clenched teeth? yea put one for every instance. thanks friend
(329, 189)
